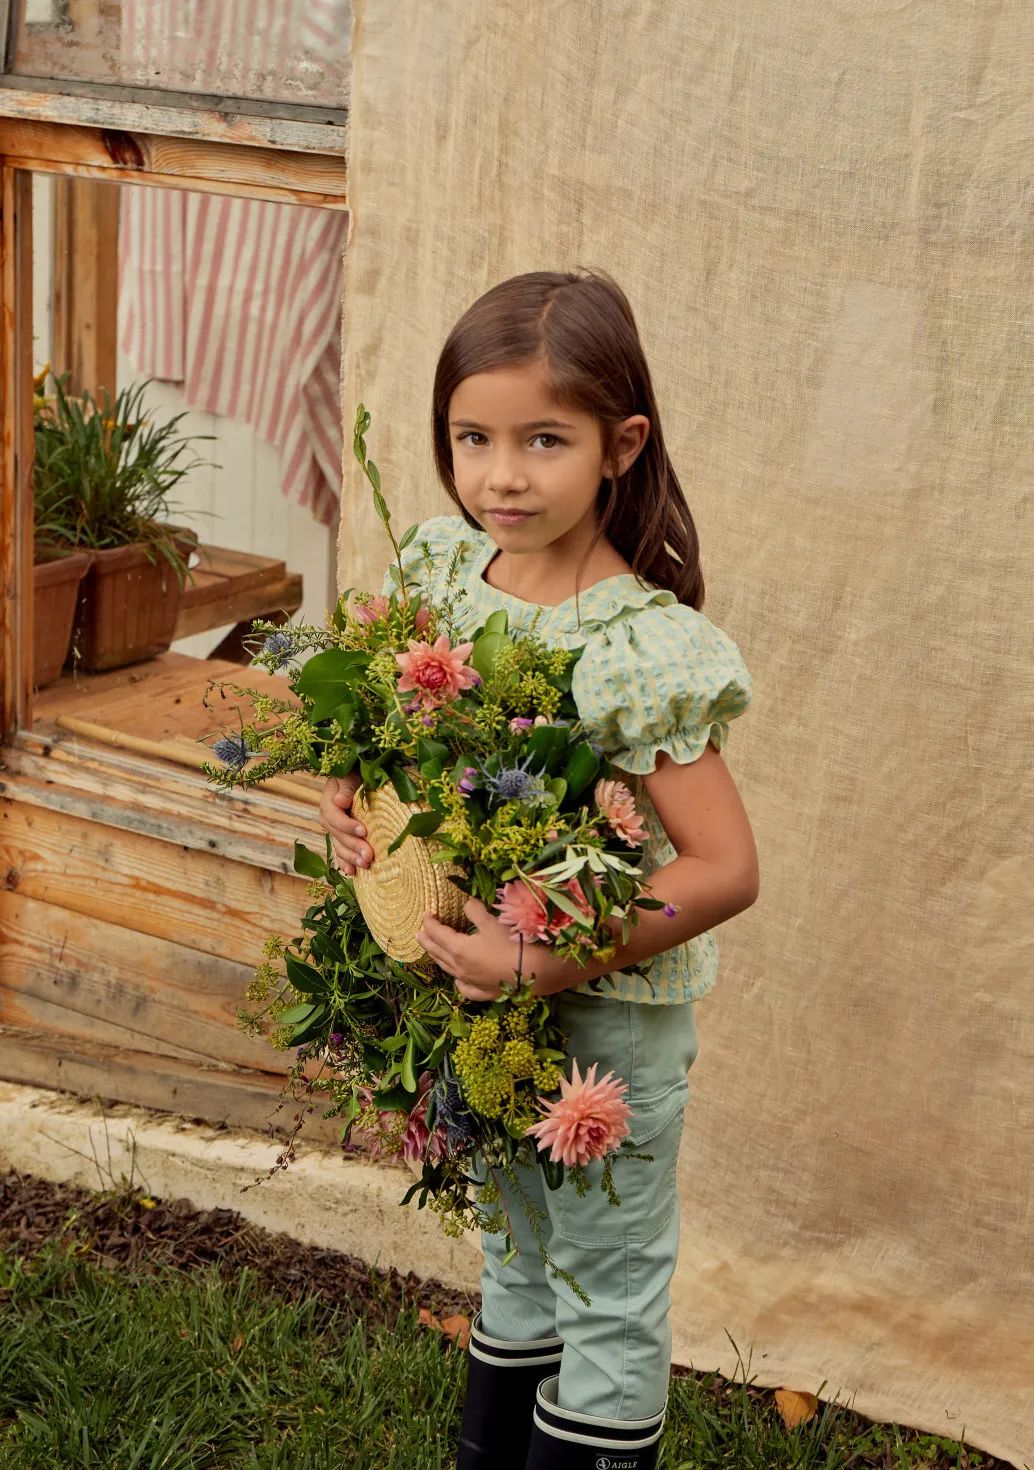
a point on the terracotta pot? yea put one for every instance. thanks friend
(128, 606)
(55, 589)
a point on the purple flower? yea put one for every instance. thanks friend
(670, 910)
(234, 751)
(427, 720)
(466, 782)
(519, 724)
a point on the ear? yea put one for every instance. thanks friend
(630, 436)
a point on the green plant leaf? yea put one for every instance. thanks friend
(296, 1013)
(404, 784)
(408, 537)
(306, 979)
(420, 824)
(497, 622)
(582, 768)
(407, 1073)
(486, 651)
(327, 678)
(308, 863)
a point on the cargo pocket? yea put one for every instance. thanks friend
(647, 1187)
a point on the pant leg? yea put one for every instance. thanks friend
(517, 1301)
(617, 1352)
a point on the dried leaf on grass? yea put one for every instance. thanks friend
(456, 1327)
(795, 1408)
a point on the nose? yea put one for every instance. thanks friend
(506, 474)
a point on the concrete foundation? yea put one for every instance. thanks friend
(321, 1199)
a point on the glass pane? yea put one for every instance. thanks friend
(294, 51)
(177, 300)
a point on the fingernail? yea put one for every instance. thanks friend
(359, 830)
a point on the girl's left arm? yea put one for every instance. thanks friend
(713, 877)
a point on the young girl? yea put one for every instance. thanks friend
(548, 440)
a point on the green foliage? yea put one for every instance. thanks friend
(104, 473)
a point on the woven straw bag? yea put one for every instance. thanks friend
(400, 887)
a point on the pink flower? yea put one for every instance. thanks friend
(617, 804)
(519, 724)
(589, 1120)
(378, 607)
(437, 672)
(574, 890)
(417, 1141)
(372, 611)
(523, 910)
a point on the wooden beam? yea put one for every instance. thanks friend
(16, 439)
(132, 154)
(238, 1097)
(85, 336)
(126, 110)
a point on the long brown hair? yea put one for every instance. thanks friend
(580, 325)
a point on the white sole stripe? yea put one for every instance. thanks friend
(597, 1441)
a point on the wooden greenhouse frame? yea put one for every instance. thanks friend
(133, 898)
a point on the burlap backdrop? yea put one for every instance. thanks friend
(820, 214)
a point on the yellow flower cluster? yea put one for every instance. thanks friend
(494, 1059)
(509, 837)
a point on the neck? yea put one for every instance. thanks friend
(554, 574)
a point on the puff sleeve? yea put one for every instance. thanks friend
(428, 553)
(662, 677)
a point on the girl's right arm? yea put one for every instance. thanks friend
(346, 834)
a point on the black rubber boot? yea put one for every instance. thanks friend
(501, 1381)
(561, 1440)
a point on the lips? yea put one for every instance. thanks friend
(511, 517)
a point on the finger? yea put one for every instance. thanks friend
(476, 912)
(472, 991)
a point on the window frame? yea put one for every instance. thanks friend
(188, 151)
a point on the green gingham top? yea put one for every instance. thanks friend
(654, 675)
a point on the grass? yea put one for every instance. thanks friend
(194, 1371)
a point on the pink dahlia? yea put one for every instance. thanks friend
(589, 1120)
(523, 911)
(617, 804)
(437, 672)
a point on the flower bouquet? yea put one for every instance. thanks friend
(473, 760)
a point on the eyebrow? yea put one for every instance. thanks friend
(537, 424)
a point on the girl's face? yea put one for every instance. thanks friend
(527, 470)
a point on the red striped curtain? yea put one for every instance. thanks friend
(239, 300)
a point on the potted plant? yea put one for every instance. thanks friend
(105, 472)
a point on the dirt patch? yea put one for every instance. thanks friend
(127, 1231)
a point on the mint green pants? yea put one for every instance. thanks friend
(617, 1352)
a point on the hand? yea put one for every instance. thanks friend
(346, 834)
(481, 961)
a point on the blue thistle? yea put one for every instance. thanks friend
(233, 751)
(452, 1114)
(278, 650)
(517, 783)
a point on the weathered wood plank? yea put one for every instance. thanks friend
(196, 184)
(174, 158)
(95, 970)
(85, 287)
(253, 129)
(158, 800)
(15, 451)
(192, 898)
(236, 1097)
